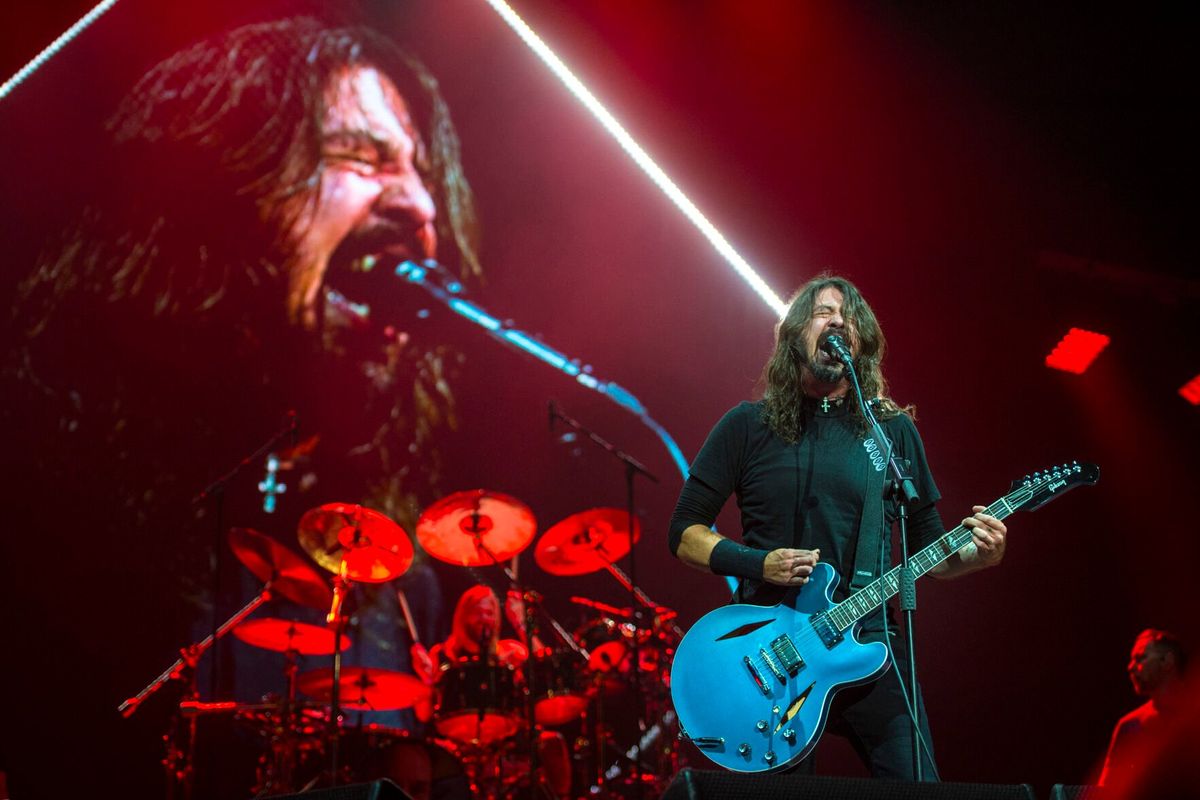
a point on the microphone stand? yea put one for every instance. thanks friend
(216, 490)
(903, 493)
(632, 468)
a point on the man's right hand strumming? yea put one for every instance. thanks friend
(788, 567)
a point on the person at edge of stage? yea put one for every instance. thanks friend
(1156, 669)
(796, 460)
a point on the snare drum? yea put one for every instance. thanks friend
(557, 679)
(477, 702)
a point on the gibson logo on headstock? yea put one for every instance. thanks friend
(1056, 486)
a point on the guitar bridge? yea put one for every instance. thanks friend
(758, 678)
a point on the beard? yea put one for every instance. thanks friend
(827, 373)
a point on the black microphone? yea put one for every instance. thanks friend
(837, 348)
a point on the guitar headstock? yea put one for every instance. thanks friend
(1036, 490)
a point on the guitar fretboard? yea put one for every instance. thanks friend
(879, 591)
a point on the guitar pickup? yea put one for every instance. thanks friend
(825, 629)
(787, 655)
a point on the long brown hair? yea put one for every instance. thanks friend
(783, 395)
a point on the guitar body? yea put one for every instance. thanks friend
(752, 685)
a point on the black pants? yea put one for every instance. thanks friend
(874, 718)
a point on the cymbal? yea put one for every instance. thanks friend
(586, 541)
(372, 548)
(365, 688)
(284, 635)
(476, 528)
(289, 574)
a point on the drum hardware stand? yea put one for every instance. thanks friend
(282, 770)
(632, 468)
(341, 585)
(180, 763)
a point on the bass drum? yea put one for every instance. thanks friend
(420, 767)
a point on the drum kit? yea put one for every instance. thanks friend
(585, 714)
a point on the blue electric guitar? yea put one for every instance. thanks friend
(752, 684)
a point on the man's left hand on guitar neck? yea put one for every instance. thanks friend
(986, 548)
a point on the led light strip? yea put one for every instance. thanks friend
(58, 44)
(639, 155)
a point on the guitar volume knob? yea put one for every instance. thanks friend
(761, 725)
(789, 736)
(769, 756)
(743, 749)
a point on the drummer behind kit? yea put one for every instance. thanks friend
(588, 714)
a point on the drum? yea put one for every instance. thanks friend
(557, 679)
(477, 702)
(610, 647)
(420, 767)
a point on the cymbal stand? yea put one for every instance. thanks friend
(341, 585)
(641, 596)
(632, 468)
(191, 654)
(179, 763)
(285, 737)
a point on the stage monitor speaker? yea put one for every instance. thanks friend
(375, 790)
(691, 784)
(1061, 791)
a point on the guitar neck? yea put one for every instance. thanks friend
(879, 591)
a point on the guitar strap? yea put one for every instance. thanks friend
(870, 527)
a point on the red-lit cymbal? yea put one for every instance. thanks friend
(285, 635)
(366, 688)
(289, 574)
(586, 542)
(475, 528)
(357, 542)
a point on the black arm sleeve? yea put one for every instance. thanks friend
(712, 477)
(698, 504)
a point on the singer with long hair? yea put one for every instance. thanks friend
(798, 461)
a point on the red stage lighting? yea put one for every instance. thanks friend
(1077, 350)
(1190, 391)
